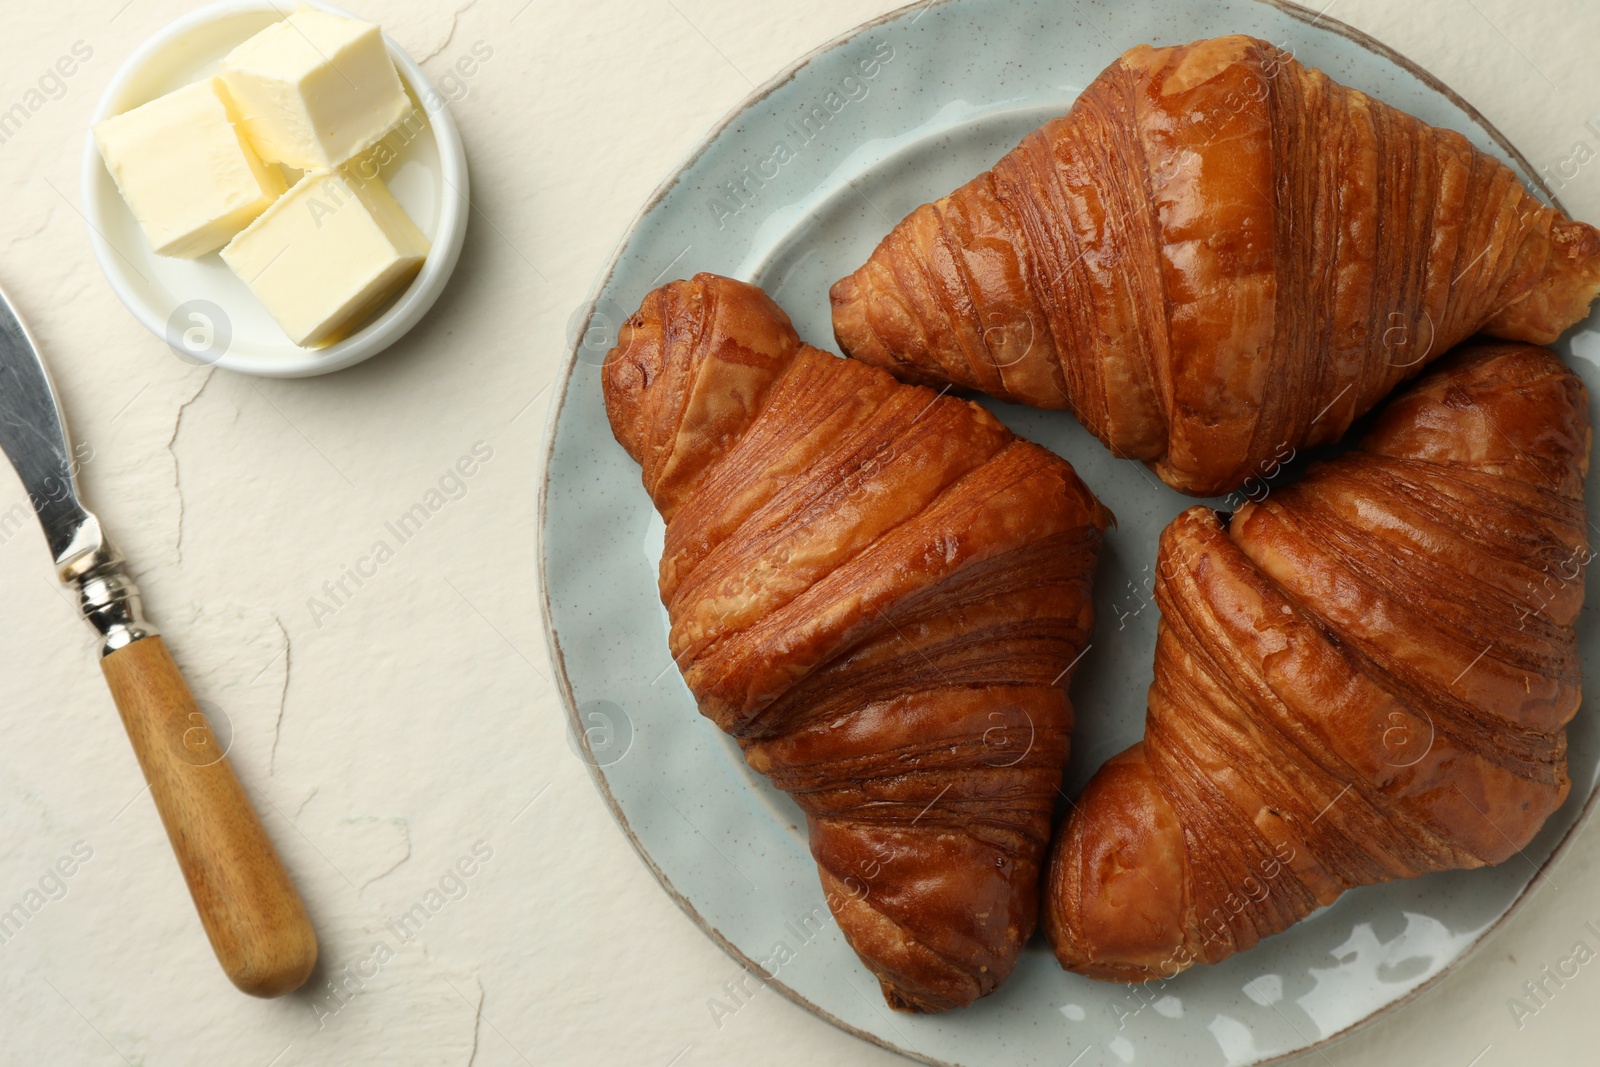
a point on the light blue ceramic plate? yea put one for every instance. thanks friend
(917, 103)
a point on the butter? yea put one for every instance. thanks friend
(315, 89)
(185, 173)
(327, 254)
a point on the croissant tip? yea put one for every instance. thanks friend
(912, 1004)
(843, 291)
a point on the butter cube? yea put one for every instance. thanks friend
(315, 89)
(184, 171)
(327, 254)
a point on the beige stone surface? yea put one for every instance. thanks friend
(389, 740)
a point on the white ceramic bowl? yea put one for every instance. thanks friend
(199, 307)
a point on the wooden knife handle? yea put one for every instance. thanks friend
(251, 911)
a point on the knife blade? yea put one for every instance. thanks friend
(34, 436)
(248, 905)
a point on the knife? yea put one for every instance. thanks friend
(247, 903)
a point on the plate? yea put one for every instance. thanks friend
(202, 309)
(952, 87)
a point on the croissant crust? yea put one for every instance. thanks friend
(1216, 254)
(1365, 676)
(879, 592)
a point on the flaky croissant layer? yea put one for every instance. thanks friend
(1216, 254)
(880, 593)
(1365, 676)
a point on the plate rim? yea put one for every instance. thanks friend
(562, 383)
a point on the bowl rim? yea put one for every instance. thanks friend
(563, 379)
(406, 310)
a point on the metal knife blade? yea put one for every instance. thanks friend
(34, 437)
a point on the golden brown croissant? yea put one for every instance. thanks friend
(1365, 676)
(880, 593)
(1216, 254)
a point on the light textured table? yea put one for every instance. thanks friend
(414, 726)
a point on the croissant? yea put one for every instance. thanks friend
(880, 593)
(1365, 676)
(1216, 254)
